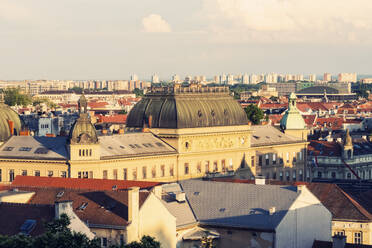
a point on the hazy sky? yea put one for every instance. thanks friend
(111, 39)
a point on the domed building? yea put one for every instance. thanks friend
(10, 123)
(292, 122)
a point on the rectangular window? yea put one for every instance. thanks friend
(287, 157)
(11, 175)
(104, 242)
(274, 158)
(37, 173)
(215, 166)
(80, 174)
(50, 173)
(294, 175)
(134, 174)
(115, 174)
(0, 175)
(252, 161)
(198, 167)
(267, 159)
(105, 174)
(125, 174)
(231, 167)
(223, 165)
(171, 170)
(294, 157)
(260, 160)
(206, 166)
(281, 176)
(144, 172)
(85, 174)
(122, 241)
(358, 238)
(186, 168)
(63, 174)
(162, 169)
(300, 155)
(153, 171)
(90, 174)
(24, 172)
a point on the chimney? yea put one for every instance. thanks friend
(104, 131)
(301, 188)
(180, 197)
(158, 191)
(272, 210)
(339, 241)
(259, 180)
(63, 207)
(133, 204)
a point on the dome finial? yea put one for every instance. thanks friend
(83, 104)
(348, 140)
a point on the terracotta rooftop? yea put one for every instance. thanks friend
(78, 183)
(13, 215)
(323, 148)
(112, 119)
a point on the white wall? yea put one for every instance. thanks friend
(306, 220)
(155, 220)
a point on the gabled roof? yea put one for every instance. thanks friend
(13, 215)
(269, 135)
(78, 183)
(239, 205)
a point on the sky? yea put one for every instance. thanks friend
(112, 39)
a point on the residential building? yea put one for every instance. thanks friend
(347, 77)
(155, 79)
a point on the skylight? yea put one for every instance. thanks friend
(83, 206)
(8, 148)
(41, 150)
(60, 194)
(28, 226)
(24, 149)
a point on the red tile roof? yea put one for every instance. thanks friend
(323, 148)
(78, 183)
(275, 119)
(13, 215)
(273, 105)
(94, 105)
(121, 119)
(332, 122)
(309, 120)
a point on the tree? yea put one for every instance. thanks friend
(13, 96)
(57, 235)
(146, 242)
(122, 112)
(254, 114)
(138, 92)
(77, 90)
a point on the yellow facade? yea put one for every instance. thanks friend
(355, 232)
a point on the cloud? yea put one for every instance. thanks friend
(155, 24)
(290, 20)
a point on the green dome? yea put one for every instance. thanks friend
(8, 114)
(83, 131)
(292, 118)
(187, 107)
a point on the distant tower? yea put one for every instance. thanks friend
(292, 122)
(348, 151)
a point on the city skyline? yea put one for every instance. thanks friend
(70, 40)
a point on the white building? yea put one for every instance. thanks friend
(155, 79)
(347, 77)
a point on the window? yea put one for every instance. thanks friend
(153, 171)
(50, 173)
(252, 161)
(319, 174)
(105, 174)
(274, 158)
(134, 174)
(79, 174)
(358, 238)
(90, 152)
(333, 174)
(90, 174)
(198, 167)
(11, 175)
(348, 175)
(24, 172)
(186, 168)
(274, 175)
(63, 174)
(125, 174)
(144, 172)
(215, 166)
(287, 176)
(162, 169)
(159, 144)
(79, 152)
(267, 159)
(24, 149)
(37, 173)
(171, 170)
(104, 242)
(281, 176)
(132, 146)
(41, 150)
(122, 240)
(231, 164)
(8, 148)
(138, 146)
(287, 157)
(206, 166)
(260, 160)
(294, 175)
(294, 157)
(85, 174)
(115, 174)
(300, 175)
(300, 155)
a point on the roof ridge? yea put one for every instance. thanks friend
(359, 207)
(26, 204)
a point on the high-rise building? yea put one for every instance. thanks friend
(288, 77)
(312, 77)
(155, 79)
(134, 77)
(223, 79)
(245, 79)
(299, 77)
(271, 78)
(216, 79)
(176, 78)
(347, 77)
(253, 79)
(230, 78)
(327, 77)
